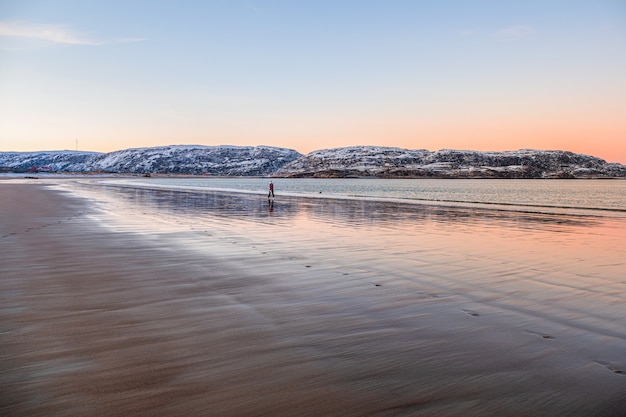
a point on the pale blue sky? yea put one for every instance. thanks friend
(486, 75)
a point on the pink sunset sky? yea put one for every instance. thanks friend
(483, 75)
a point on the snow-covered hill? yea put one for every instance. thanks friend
(357, 161)
(196, 159)
(52, 161)
(385, 162)
(175, 159)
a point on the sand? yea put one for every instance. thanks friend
(122, 302)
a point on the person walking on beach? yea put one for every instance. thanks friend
(271, 193)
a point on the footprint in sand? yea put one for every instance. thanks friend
(611, 368)
(471, 313)
(543, 335)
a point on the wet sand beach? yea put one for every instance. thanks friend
(116, 301)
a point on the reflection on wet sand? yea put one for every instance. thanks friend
(202, 304)
(346, 212)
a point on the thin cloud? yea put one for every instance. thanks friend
(45, 32)
(514, 33)
(54, 33)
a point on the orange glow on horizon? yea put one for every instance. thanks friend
(602, 137)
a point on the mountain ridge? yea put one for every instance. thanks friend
(353, 161)
(391, 162)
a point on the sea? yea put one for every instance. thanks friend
(575, 197)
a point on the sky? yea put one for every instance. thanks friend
(307, 75)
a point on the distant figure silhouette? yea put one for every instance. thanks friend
(271, 193)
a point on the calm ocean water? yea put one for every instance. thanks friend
(597, 197)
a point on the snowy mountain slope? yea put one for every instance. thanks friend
(196, 159)
(388, 162)
(175, 159)
(53, 161)
(356, 161)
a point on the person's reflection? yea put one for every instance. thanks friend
(270, 206)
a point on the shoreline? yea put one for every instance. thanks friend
(70, 175)
(512, 207)
(296, 312)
